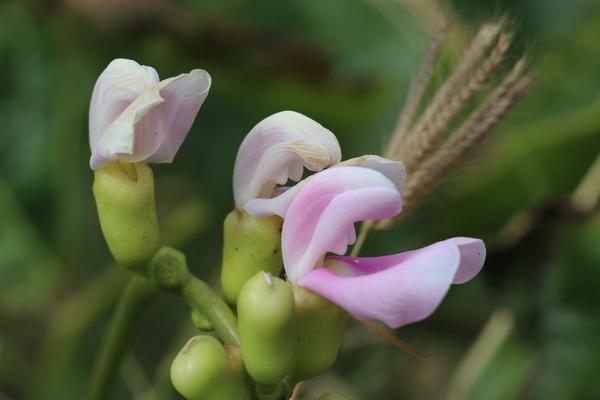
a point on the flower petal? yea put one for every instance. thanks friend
(276, 150)
(184, 95)
(401, 288)
(134, 117)
(116, 88)
(277, 205)
(393, 170)
(472, 257)
(321, 216)
(118, 140)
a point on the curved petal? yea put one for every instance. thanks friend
(277, 149)
(393, 170)
(118, 140)
(116, 88)
(397, 289)
(277, 205)
(145, 122)
(184, 95)
(321, 217)
(472, 257)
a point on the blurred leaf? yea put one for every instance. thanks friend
(571, 323)
(28, 269)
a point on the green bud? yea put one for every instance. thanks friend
(266, 322)
(319, 329)
(200, 321)
(205, 370)
(169, 268)
(250, 245)
(125, 200)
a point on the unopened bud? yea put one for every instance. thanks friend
(200, 321)
(169, 268)
(250, 245)
(205, 370)
(266, 322)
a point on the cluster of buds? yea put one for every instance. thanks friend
(292, 297)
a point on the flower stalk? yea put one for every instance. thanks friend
(133, 302)
(202, 298)
(166, 271)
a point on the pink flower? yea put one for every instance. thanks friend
(398, 289)
(393, 170)
(135, 117)
(278, 149)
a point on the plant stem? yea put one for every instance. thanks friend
(362, 236)
(133, 301)
(491, 338)
(587, 194)
(202, 298)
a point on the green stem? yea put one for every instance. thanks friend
(133, 301)
(202, 298)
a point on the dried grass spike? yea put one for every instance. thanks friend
(415, 94)
(441, 121)
(426, 132)
(474, 129)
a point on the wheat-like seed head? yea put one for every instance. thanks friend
(415, 94)
(465, 138)
(429, 127)
(427, 149)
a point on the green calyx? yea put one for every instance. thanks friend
(266, 322)
(124, 196)
(250, 245)
(206, 370)
(319, 327)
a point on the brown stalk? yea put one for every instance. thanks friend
(389, 336)
(471, 132)
(415, 94)
(440, 122)
(424, 136)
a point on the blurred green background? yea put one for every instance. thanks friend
(533, 312)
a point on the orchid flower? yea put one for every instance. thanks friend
(395, 289)
(135, 117)
(278, 149)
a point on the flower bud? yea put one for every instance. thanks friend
(125, 200)
(319, 326)
(169, 268)
(266, 322)
(250, 245)
(206, 370)
(200, 321)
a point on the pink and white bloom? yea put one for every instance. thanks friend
(393, 170)
(396, 289)
(136, 117)
(278, 149)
